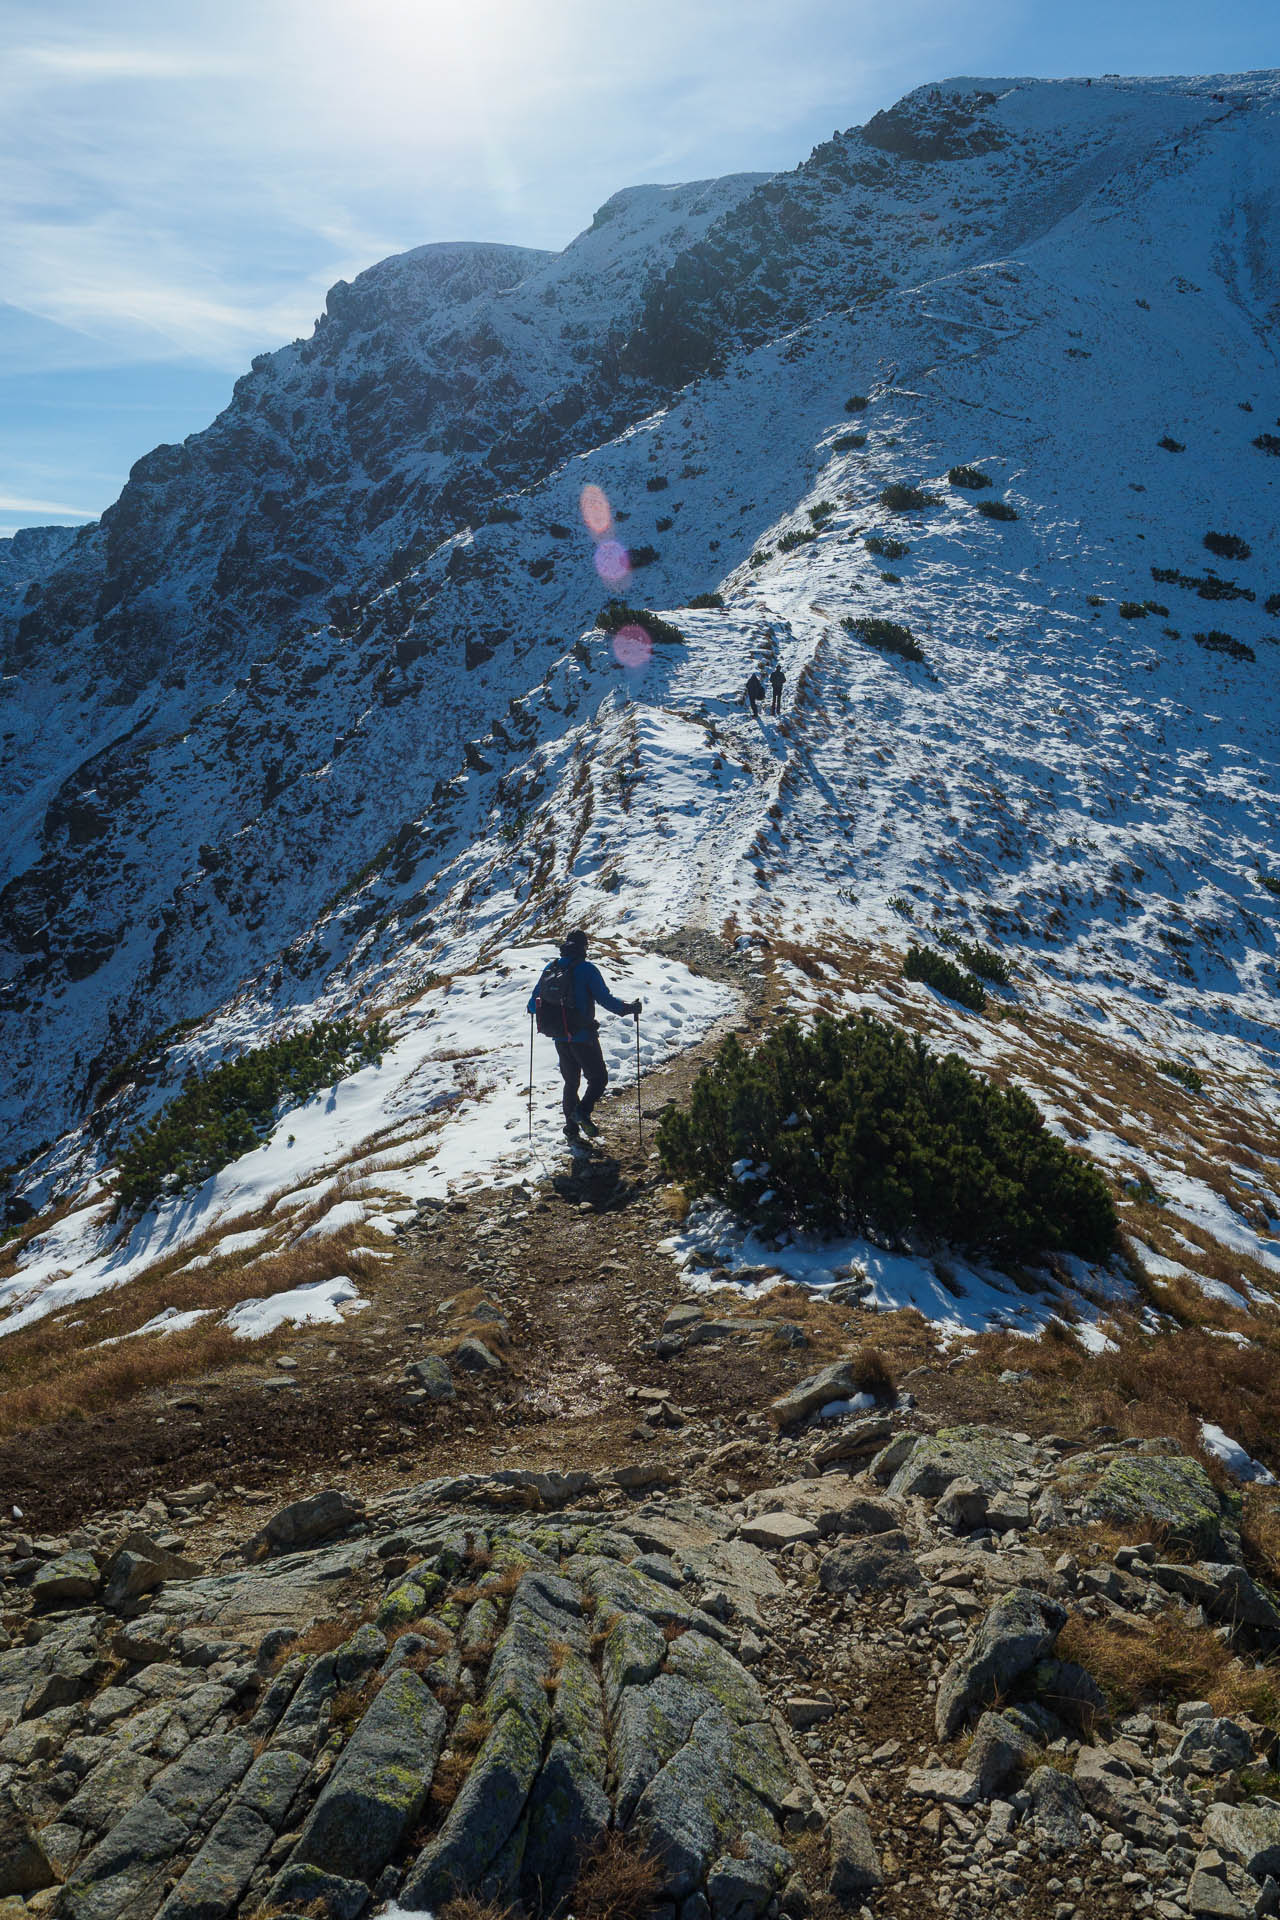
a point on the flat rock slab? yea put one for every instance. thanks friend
(777, 1530)
(988, 1457)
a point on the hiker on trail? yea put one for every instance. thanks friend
(776, 680)
(755, 694)
(563, 1003)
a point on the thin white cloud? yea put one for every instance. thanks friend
(111, 62)
(17, 503)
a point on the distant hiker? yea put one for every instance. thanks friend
(755, 694)
(776, 680)
(563, 1003)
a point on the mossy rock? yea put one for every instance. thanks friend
(989, 1455)
(1171, 1494)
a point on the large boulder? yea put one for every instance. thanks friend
(833, 1383)
(304, 1522)
(991, 1459)
(1166, 1491)
(1249, 1834)
(67, 1581)
(1020, 1629)
(873, 1566)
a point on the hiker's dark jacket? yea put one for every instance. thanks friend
(755, 687)
(589, 992)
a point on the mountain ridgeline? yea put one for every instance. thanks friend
(281, 727)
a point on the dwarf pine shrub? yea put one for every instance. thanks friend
(968, 477)
(712, 600)
(1186, 1076)
(848, 442)
(852, 1125)
(798, 537)
(936, 971)
(856, 403)
(886, 546)
(1171, 445)
(618, 614)
(221, 1114)
(985, 962)
(1228, 546)
(822, 512)
(899, 498)
(886, 636)
(1215, 641)
(657, 483)
(997, 510)
(1268, 443)
(1272, 604)
(642, 556)
(1132, 610)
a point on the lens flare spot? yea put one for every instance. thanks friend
(597, 515)
(632, 647)
(613, 562)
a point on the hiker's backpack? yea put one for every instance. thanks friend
(556, 1006)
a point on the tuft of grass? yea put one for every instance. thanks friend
(1159, 1662)
(618, 1880)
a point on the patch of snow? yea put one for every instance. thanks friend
(298, 1306)
(1239, 1464)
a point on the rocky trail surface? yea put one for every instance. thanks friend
(556, 1566)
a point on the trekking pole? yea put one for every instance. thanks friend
(639, 1115)
(531, 1079)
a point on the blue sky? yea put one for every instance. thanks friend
(184, 181)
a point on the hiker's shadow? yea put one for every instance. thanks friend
(599, 1181)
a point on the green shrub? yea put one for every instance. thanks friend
(642, 556)
(997, 510)
(656, 483)
(848, 442)
(853, 1125)
(1268, 443)
(557, 531)
(1215, 641)
(856, 403)
(903, 499)
(618, 614)
(760, 556)
(1272, 604)
(1132, 610)
(886, 546)
(712, 600)
(1228, 546)
(822, 512)
(1154, 606)
(1185, 1076)
(1209, 586)
(968, 477)
(798, 537)
(1269, 881)
(1095, 600)
(886, 636)
(223, 1113)
(663, 523)
(1171, 445)
(984, 961)
(502, 516)
(922, 963)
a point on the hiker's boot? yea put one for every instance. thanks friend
(587, 1124)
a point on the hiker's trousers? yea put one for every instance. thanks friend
(579, 1057)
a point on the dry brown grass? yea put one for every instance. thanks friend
(1158, 1384)
(59, 1366)
(322, 1636)
(470, 1731)
(618, 1880)
(465, 1906)
(1164, 1660)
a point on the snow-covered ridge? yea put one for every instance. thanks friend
(311, 814)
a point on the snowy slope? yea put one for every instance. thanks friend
(1043, 280)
